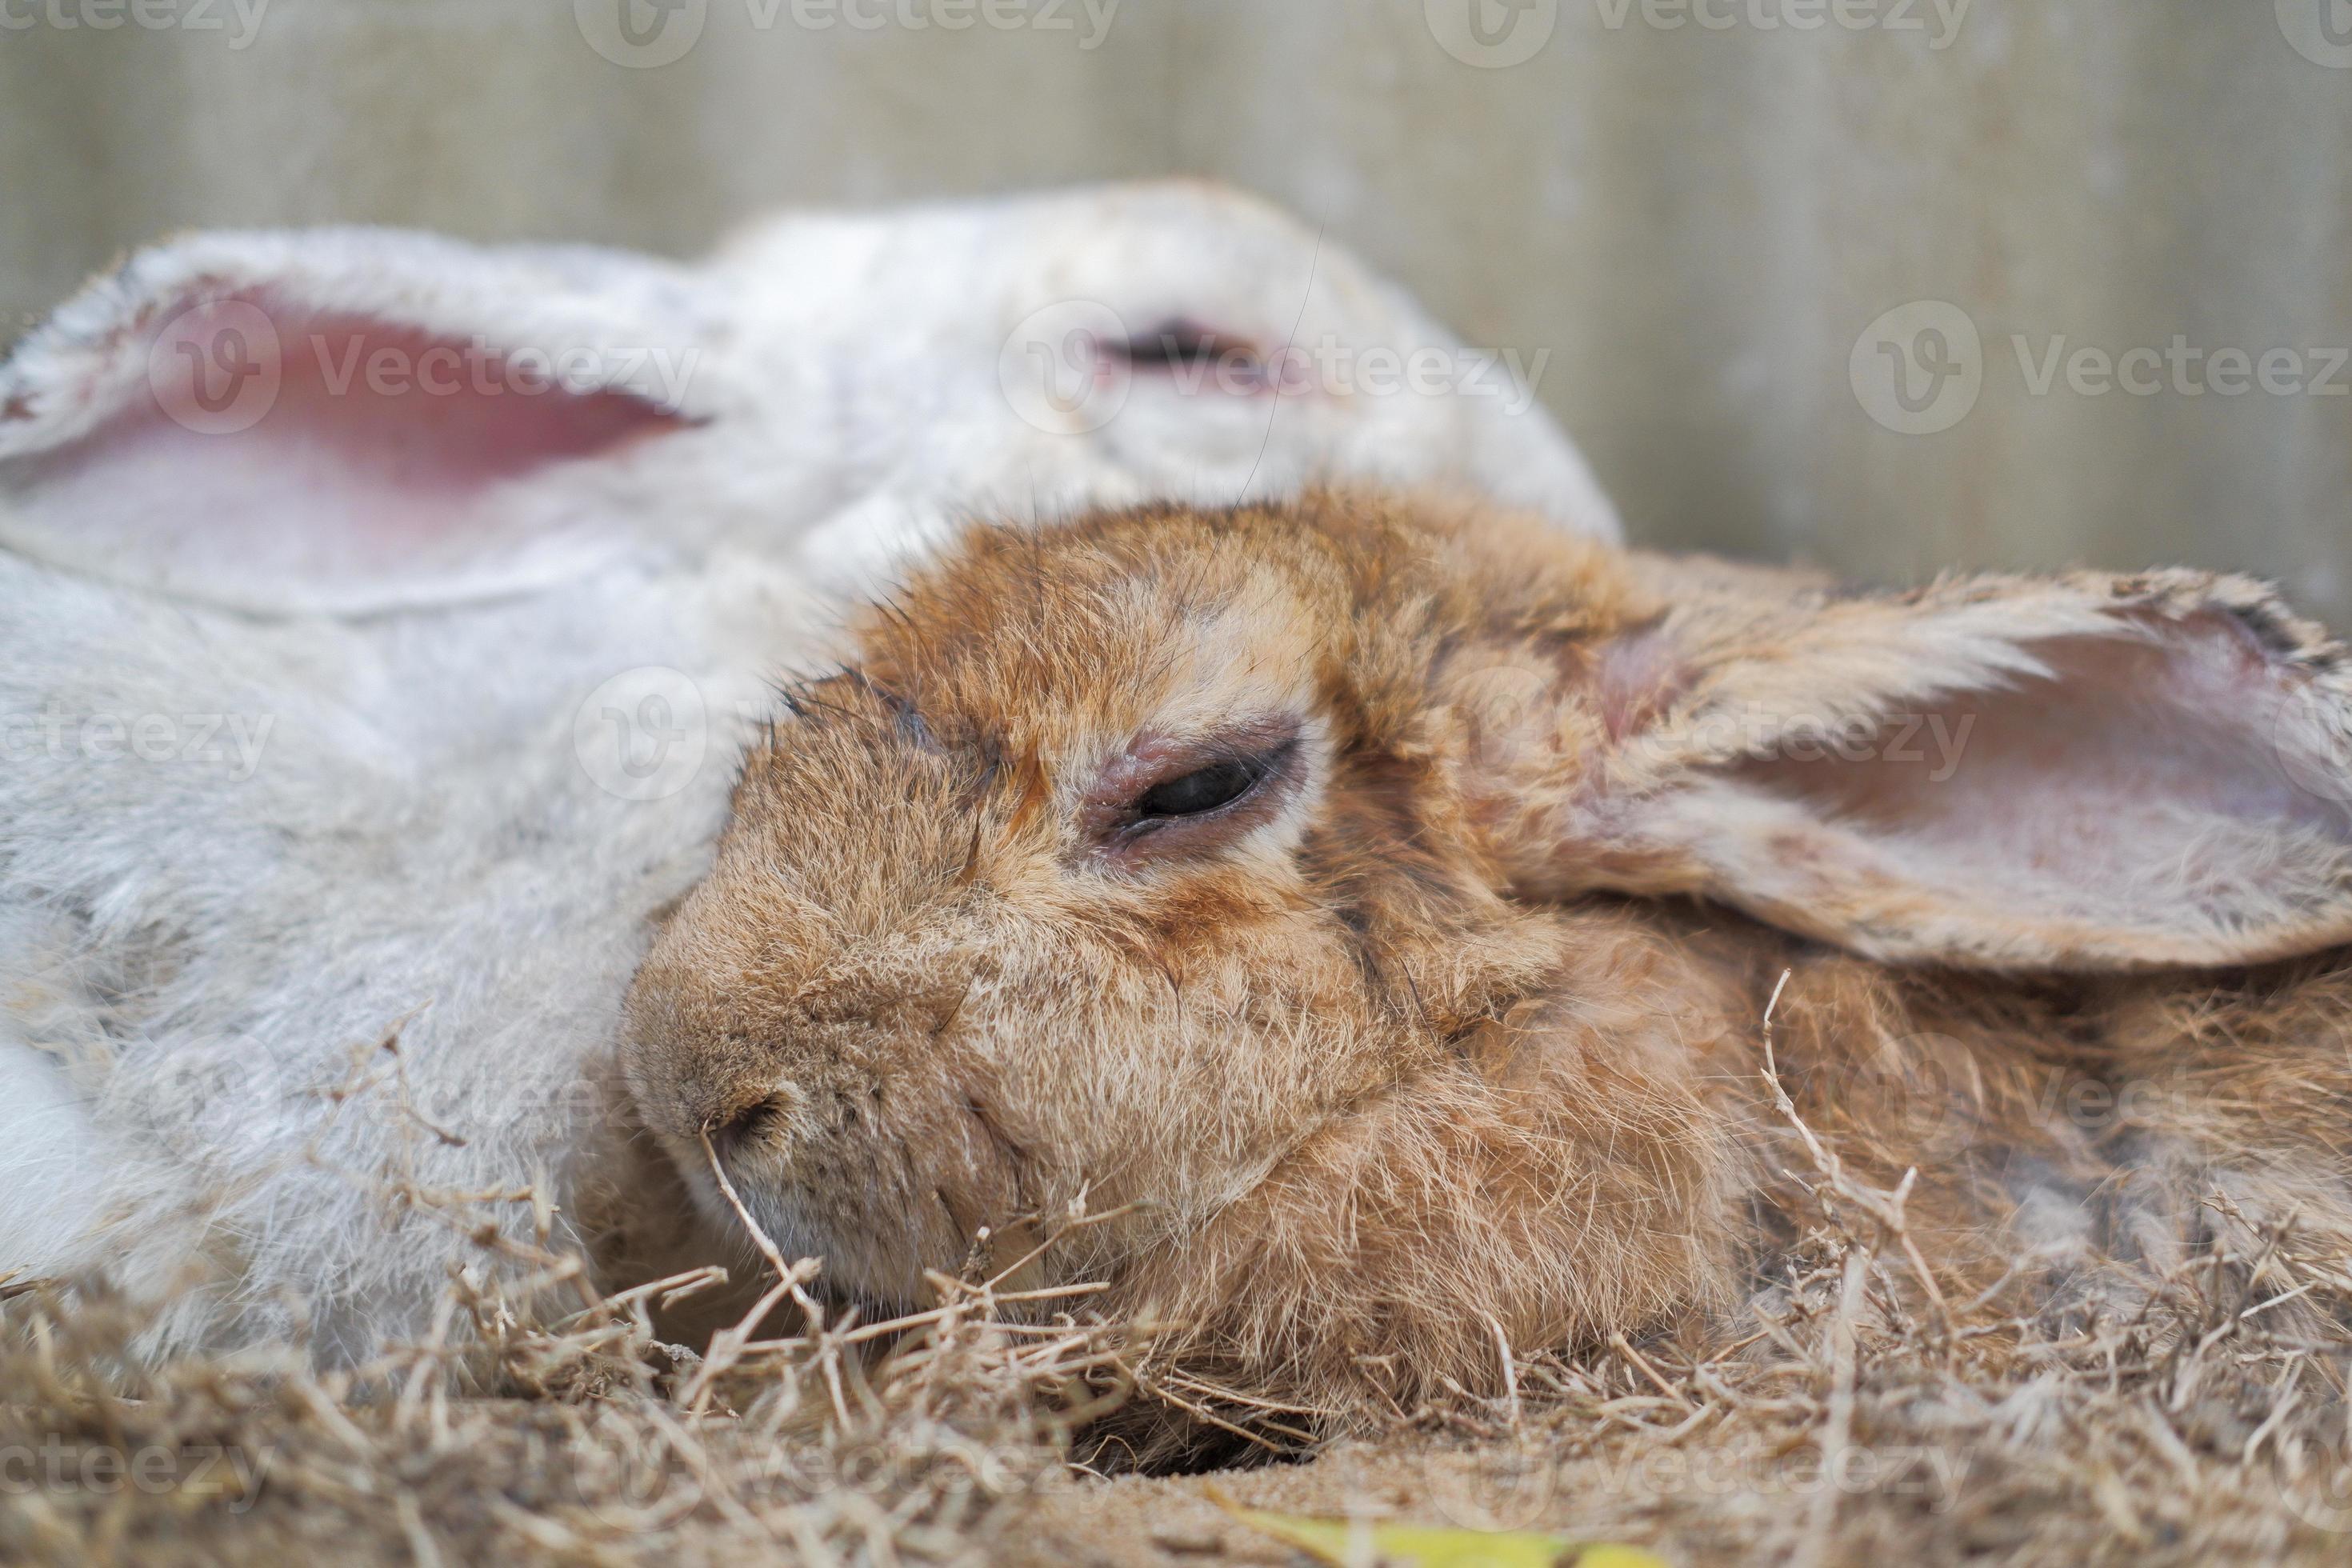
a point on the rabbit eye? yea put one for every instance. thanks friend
(1167, 797)
(1202, 790)
(1174, 343)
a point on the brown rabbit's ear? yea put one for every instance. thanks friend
(2085, 772)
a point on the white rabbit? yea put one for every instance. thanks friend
(357, 684)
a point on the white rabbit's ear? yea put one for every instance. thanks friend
(2087, 772)
(346, 419)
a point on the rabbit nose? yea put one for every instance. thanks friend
(728, 1108)
(752, 1122)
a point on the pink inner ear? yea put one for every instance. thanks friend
(352, 447)
(2141, 777)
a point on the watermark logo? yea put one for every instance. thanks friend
(656, 376)
(1946, 17)
(642, 735)
(635, 1488)
(59, 1466)
(1919, 368)
(1931, 745)
(1491, 34)
(148, 15)
(642, 34)
(1060, 370)
(1516, 1491)
(231, 743)
(1911, 1085)
(1931, 1476)
(2320, 30)
(2179, 367)
(220, 366)
(1510, 1488)
(2313, 1477)
(629, 1489)
(1072, 367)
(1089, 20)
(217, 366)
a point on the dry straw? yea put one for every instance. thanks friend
(1858, 1416)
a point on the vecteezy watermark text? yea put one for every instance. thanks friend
(1941, 19)
(1070, 368)
(243, 17)
(646, 33)
(1920, 368)
(233, 741)
(1513, 1490)
(218, 367)
(59, 1466)
(2181, 368)
(1493, 34)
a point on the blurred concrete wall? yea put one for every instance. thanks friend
(1731, 223)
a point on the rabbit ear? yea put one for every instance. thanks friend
(2088, 772)
(346, 419)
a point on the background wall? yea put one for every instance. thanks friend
(1703, 209)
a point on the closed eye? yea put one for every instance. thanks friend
(1174, 343)
(1205, 789)
(1167, 796)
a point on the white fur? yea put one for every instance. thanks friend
(198, 953)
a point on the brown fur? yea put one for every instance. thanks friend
(1426, 1047)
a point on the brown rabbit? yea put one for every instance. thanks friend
(1378, 903)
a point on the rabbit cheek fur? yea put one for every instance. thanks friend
(1417, 1039)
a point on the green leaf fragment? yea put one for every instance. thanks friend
(1360, 1544)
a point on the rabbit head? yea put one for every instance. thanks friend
(1255, 882)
